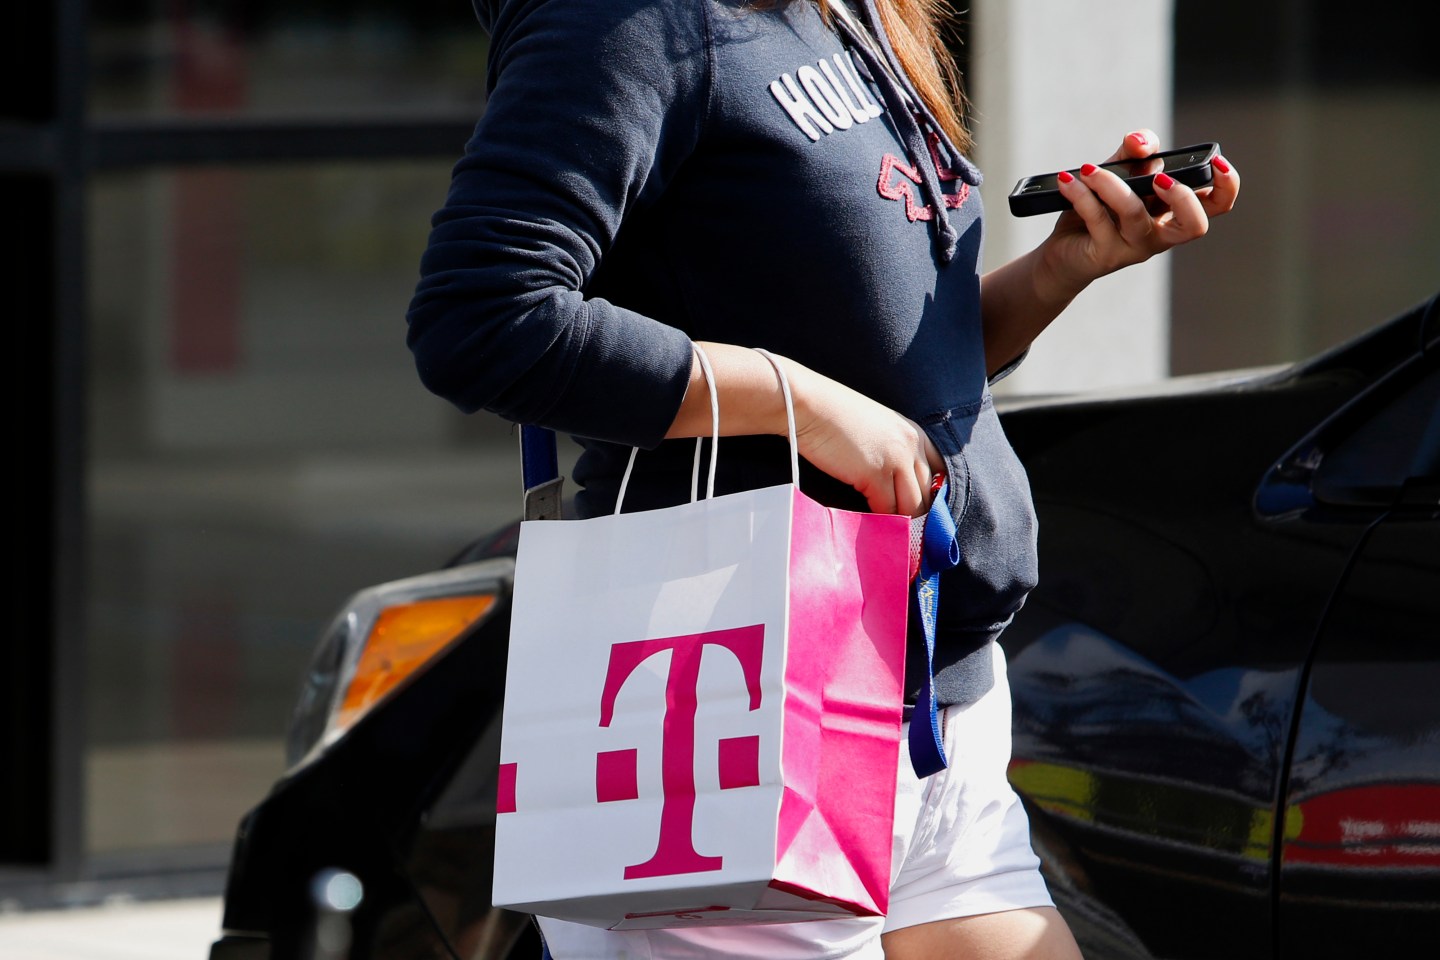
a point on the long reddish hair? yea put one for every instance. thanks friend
(917, 33)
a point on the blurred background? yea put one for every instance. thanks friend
(216, 211)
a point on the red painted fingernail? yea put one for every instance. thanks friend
(1139, 138)
(1065, 176)
(1087, 169)
(1164, 181)
(1221, 165)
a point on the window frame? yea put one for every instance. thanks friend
(49, 150)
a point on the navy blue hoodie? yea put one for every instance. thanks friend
(651, 172)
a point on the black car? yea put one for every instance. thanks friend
(1227, 728)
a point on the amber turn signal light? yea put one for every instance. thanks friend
(404, 638)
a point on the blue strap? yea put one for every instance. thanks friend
(939, 550)
(539, 459)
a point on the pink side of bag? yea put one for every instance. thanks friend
(844, 678)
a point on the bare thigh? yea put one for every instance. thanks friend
(1034, 933)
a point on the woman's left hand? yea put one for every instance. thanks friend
(1112, 227)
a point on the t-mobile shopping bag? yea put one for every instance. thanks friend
(703, 713)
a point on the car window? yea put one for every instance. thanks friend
(1400, 441)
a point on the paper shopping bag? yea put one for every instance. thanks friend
(702, 714)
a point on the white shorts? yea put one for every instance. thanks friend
(961, 848)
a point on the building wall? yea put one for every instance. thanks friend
(1055, 86)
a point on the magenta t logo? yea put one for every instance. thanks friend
(739, 757)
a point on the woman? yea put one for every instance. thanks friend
(792, 176)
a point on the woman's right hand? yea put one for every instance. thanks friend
(882, 454)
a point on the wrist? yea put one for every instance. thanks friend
(1054, 278)
(801, 380)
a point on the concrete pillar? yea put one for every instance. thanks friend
(1055, 85)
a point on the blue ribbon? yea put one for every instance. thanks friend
(939, 550)
(539, 456)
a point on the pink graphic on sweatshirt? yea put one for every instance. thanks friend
(904, 187)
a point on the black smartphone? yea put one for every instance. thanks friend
(1188, 165)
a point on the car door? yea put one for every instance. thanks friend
(1360, 860)
(1186, 569)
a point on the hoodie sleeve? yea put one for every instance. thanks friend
(593, 105)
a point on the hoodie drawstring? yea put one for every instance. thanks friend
(902, 101)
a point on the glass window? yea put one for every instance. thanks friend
(260, 448)
(305, 58)
(1400, 442)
